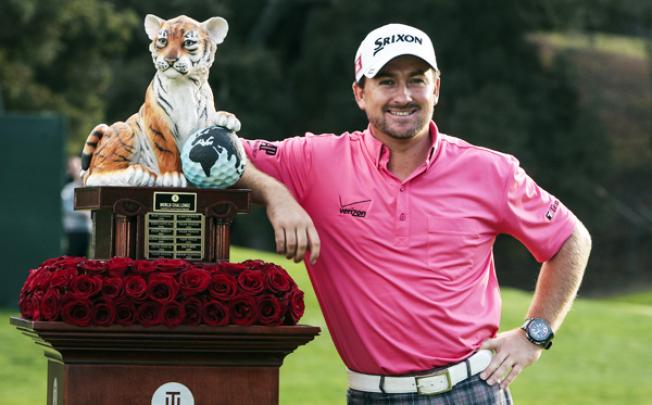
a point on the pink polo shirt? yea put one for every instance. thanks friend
(406, 277)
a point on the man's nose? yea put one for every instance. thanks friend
(403, 93)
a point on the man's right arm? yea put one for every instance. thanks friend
(294, 230)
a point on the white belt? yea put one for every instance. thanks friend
(433, 383)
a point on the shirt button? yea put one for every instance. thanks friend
(402, 188)
(402, 217)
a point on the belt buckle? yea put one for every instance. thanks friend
(433, 384)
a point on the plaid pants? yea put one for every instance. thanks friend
(472, 391)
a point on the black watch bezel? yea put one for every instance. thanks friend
(544, 343)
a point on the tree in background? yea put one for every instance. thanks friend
(55, 56)
(286, 67)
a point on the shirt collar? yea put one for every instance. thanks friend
(375, 148)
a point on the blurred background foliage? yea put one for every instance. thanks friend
(563, 85)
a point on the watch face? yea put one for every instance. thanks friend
(538, 330)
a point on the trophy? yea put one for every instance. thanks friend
(150, 231)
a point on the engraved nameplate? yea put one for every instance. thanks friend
(175, 202)
(174, 230)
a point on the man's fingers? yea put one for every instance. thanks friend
(302, 245)
(315, 244)
(290, 243)
(516, 370)
(500, 372)
(496, 361)
(279, 236)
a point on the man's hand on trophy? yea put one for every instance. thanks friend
(294, 231)
(227, 120)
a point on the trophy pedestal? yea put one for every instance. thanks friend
(226, 365)
(157, 222)
(186, 365)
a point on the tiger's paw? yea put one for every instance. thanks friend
(171, 179)
(140, 176)
(132, 176)
(227, 120)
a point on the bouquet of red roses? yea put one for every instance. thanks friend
(170, 292)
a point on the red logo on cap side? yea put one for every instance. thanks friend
(358, 64)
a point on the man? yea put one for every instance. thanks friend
(405, 218)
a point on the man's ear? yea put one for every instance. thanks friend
(436, 90)
(358, 93)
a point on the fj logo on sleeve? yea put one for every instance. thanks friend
(357, 208)
(551, 211)
(268, 148)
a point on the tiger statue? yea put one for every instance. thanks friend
(144, 150)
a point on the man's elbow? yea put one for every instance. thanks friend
(583, 237)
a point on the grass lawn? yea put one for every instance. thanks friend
(601, 355)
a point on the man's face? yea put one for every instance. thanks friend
(400, 99)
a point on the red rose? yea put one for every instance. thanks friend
(296, 307)
(223, 286)
(252, 282)
(29, 305)
(77, 312)
(171, 265)
(135, 287)
(254, 264)
(103, 314)
(277, 280)
(193, 309)
(125, 311)
(269, 310)
(233, 268)
(210, 268)
(85, 286)
(173, 314)
(214, 313)
(93, 266)
(50, 305)
(111, 287)
(42, 279)
(61, 278)
(194, 281)
(149, 314)
(32, 279)
(119, 265)
(63, 262)
(243, 310)
(162, 288)
(144, 266)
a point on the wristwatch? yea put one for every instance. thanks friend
(539, 332)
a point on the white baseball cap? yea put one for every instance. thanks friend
(389, 41)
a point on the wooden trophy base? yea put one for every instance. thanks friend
(230, 365)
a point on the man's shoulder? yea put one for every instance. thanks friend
(464, 149)
(332, 138)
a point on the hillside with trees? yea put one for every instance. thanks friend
(578, 119)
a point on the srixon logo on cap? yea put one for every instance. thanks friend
(384, 41)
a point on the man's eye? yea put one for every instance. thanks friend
(386, 82)
(161, 42)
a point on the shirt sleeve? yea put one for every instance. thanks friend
(533, 216)
(288, 161)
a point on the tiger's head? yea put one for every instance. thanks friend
(183, 47)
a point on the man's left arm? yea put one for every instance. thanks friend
(557, 285)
